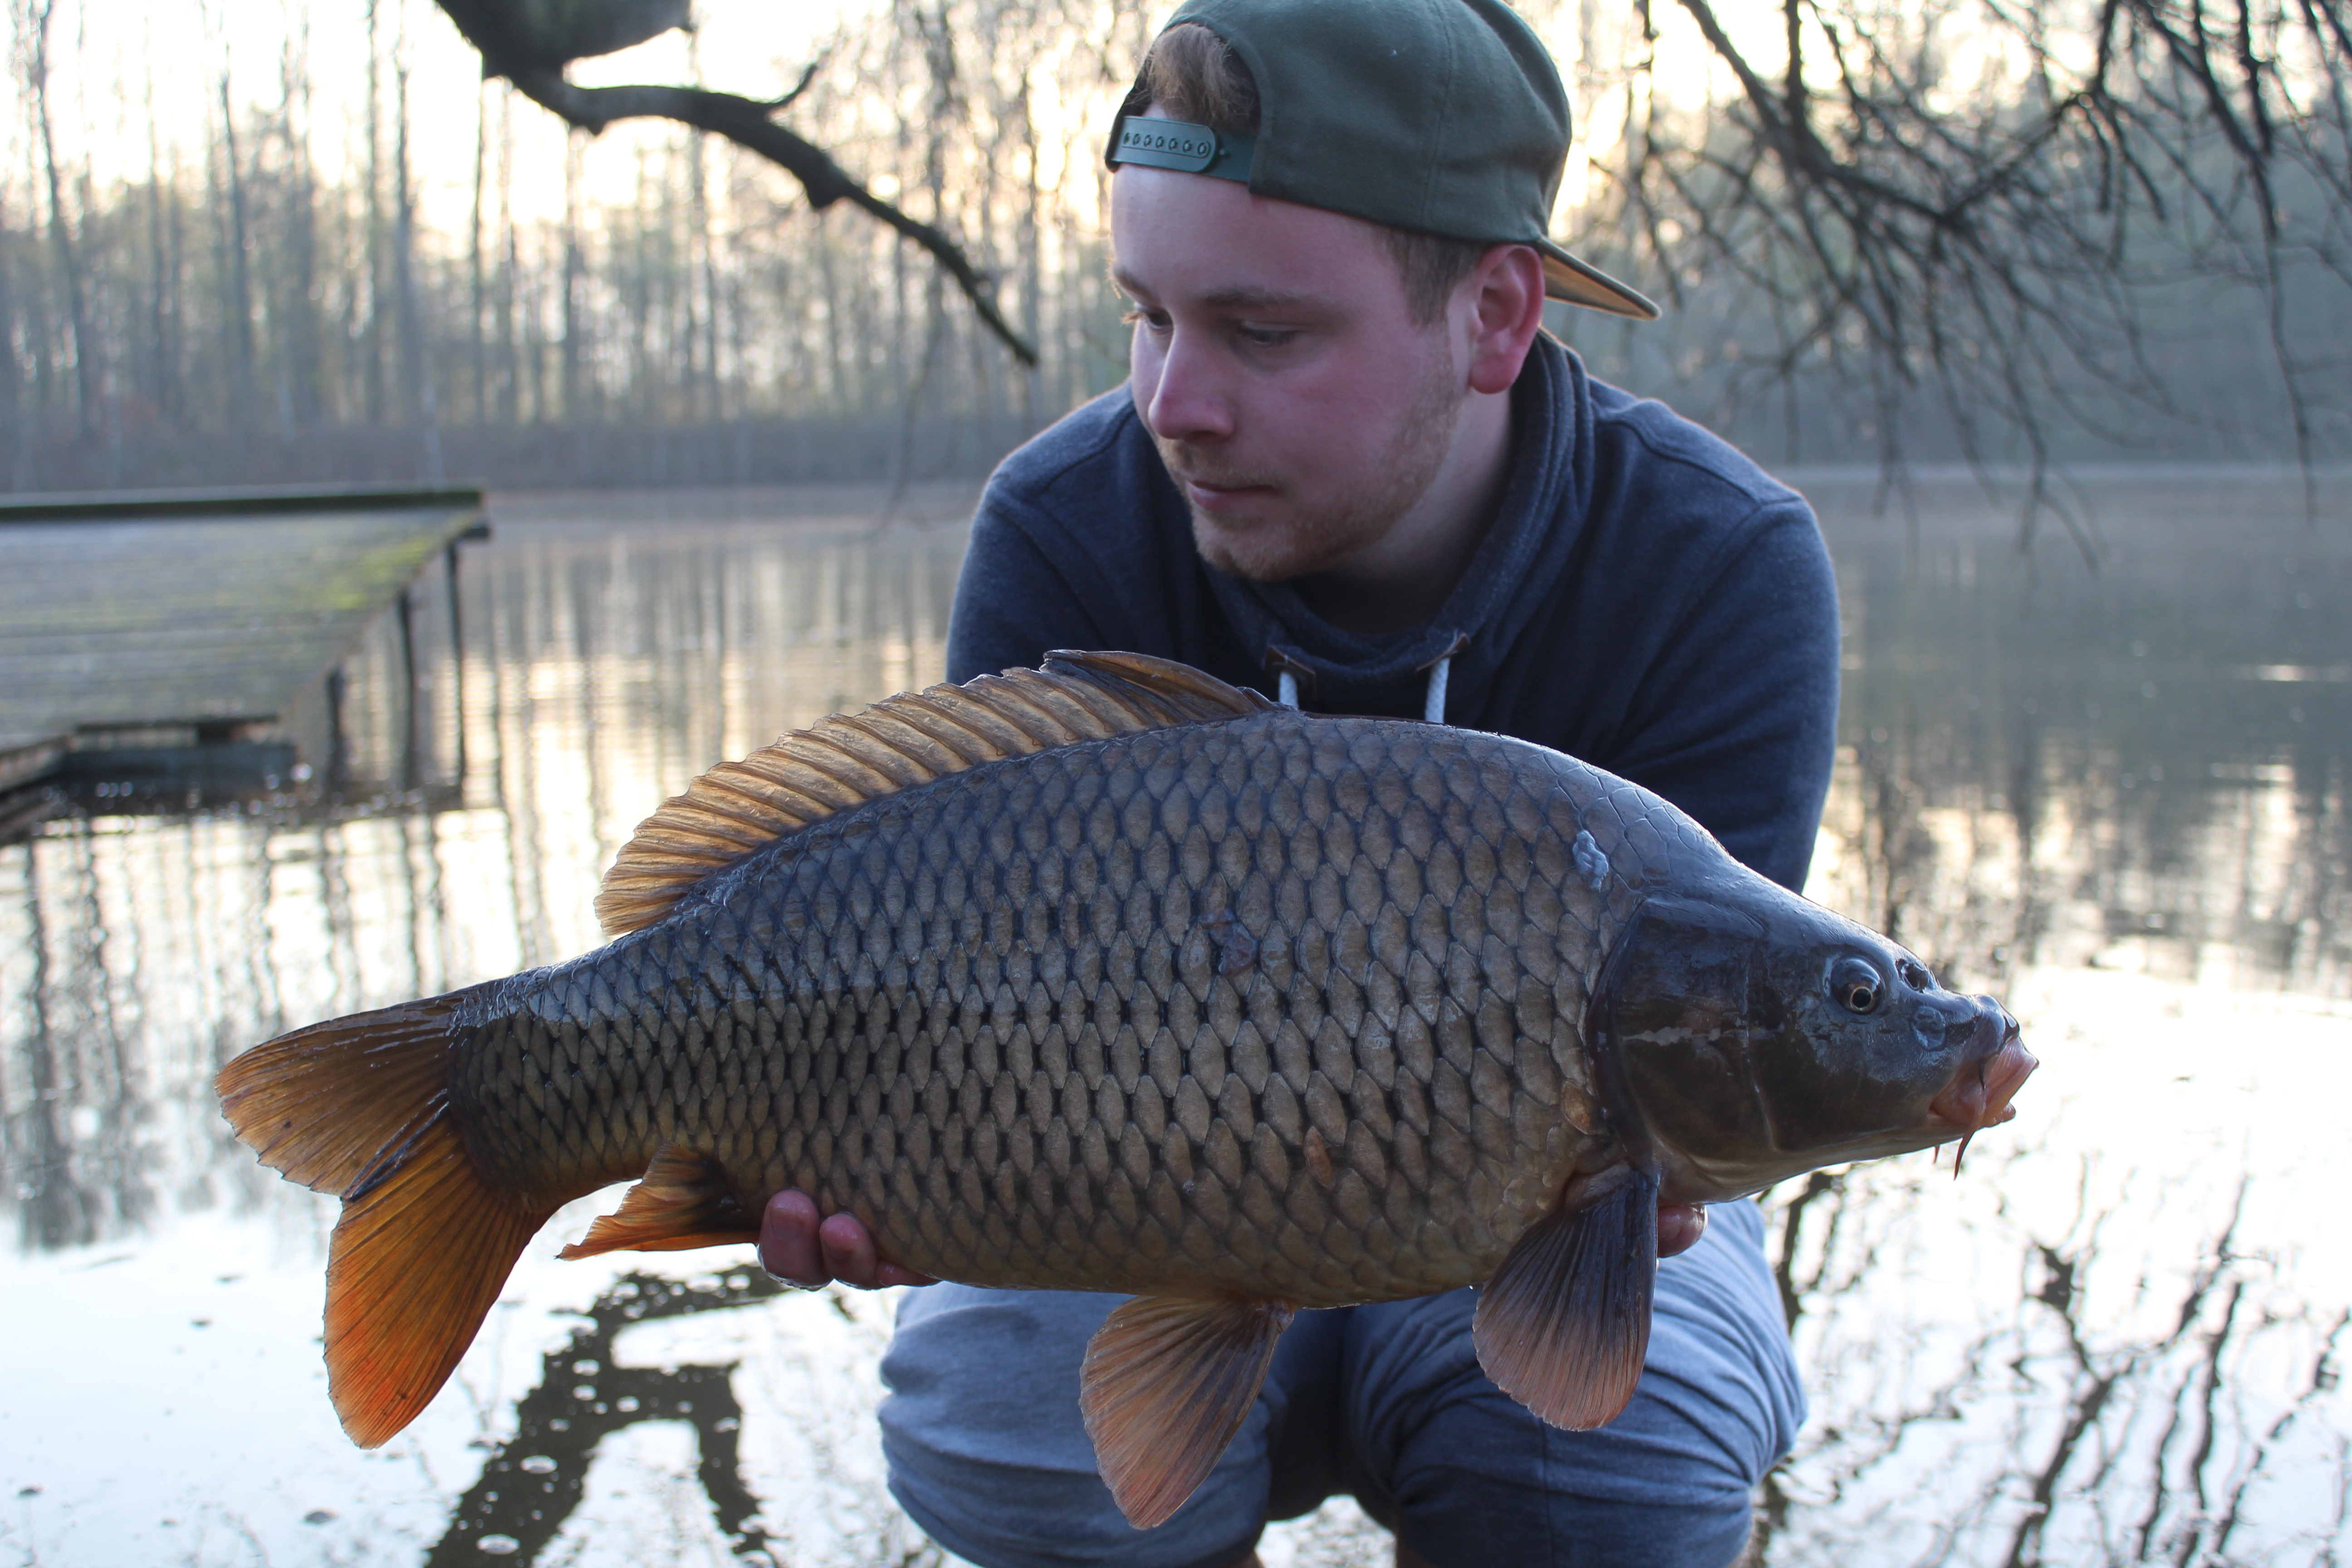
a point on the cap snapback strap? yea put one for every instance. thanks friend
(1176, 144)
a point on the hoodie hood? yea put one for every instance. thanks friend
(1509, 581)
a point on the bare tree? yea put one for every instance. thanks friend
(1996, 242)
(478, 345)
(33, 21)
(422, 407)
(2021, 231)
(234, 240)
(300, 372)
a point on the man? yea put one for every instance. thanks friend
(1349, 469)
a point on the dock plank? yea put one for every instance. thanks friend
(162, 619)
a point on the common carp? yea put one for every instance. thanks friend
(1109, 976)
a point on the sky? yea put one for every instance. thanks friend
(111, 62)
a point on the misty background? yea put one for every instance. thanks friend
(305, 241)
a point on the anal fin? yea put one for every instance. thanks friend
(683, 1199)
(1167, 1382)
(1564, 1324)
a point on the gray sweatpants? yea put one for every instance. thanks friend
(987, 1452)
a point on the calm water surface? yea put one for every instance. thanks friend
(2111, 786)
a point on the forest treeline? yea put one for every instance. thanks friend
(230, 307)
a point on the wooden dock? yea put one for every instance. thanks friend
(196, 616)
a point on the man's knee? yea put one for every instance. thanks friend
(988, 1454)
(1466, 1475)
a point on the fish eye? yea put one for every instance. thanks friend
(1855, 983)
(1916, 977)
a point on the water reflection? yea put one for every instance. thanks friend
(2165, 739)
(531, 1484)
(609, 669)
(2118, 796)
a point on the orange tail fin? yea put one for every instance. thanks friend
(359, 1107)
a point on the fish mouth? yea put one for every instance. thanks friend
(1979, 1095)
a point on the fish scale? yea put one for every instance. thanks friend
(1014, 966)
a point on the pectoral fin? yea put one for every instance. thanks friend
(683, 1200)
(1166, 1384)
(1564, 1324)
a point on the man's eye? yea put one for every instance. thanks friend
(1152, 318)
(1267, 337)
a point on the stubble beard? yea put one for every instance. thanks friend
(1321, 531)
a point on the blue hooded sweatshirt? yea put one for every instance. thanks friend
(1647, 599)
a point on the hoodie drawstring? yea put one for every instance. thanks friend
(1433, 706)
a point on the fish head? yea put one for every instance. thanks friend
(1749, 1034)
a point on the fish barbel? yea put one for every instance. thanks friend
(1109, 976)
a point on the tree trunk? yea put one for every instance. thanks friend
(509, 263)
(371, 377)
(422, 408)
(12, 385)
(162, 358)
(481, 408)
(237, 277)
(574, 386)
(301, 354)
(87, 383)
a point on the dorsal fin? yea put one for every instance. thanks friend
(738, 808)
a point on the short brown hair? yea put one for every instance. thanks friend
(1192, 76)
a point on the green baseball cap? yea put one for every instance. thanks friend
(1446, 117)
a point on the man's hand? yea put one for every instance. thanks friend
(798, 1250)
(1679, 1227)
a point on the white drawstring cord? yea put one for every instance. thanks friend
(1433, 710)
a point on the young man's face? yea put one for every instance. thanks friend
(1296, 403)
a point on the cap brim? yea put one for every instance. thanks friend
(1568, 279)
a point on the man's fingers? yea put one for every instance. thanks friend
(1679, 1227)
(788, 1241)
(849, 1256)
(800, 1251)
(848, 1250)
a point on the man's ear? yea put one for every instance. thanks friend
(1506, 303)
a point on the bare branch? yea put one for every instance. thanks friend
(534, 62)
(2005, 251)
(745, 121)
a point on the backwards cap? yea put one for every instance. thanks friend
(1446, 117)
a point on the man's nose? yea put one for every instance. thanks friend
(1190, 401)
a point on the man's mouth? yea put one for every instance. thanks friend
(1216, 494)
(1209, 485)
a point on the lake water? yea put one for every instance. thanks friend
(2107, 778)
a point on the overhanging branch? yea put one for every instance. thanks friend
(746, 122)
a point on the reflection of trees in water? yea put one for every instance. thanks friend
(2165, 744)
(52, 1211)
(151, 954)
(1998, 817)
(74, 1150)
(610, 669)
(2123, 1414)
(2052, 771)
(534, 1479)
